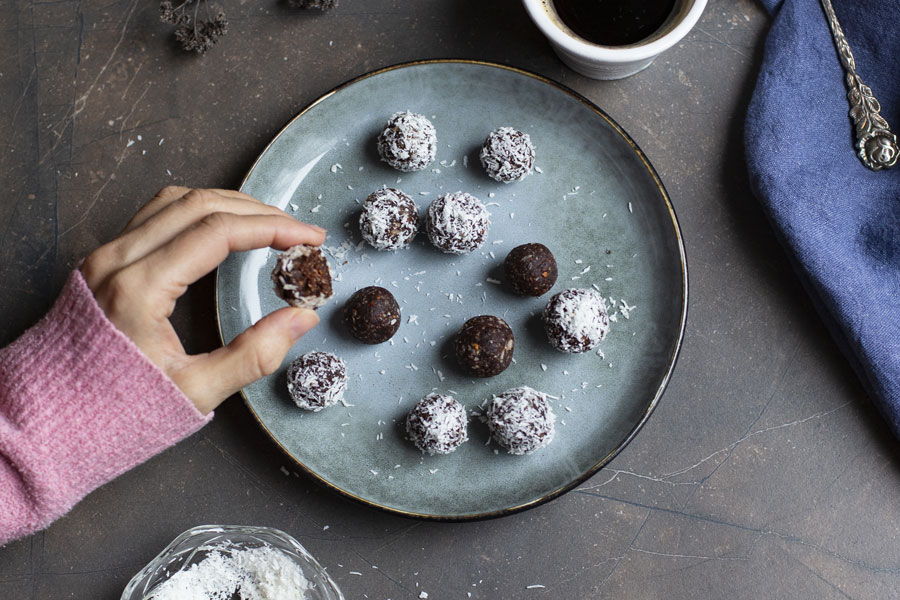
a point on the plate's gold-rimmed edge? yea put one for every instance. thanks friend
(673, 358)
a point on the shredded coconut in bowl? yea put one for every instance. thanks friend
(261, 573)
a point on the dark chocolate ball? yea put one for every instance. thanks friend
(437, 424)
(317, 380)
(507, 155)
(457, 223)
(530, 269)
(576, 320)
(302, 277)
(521, 420)
(408, 142)
(389, 219)
(484, 346)
(372, 315)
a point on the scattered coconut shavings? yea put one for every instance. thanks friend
(335, 167)
(586, 269)
(315, 208)
(492, 280)
(539, 170)
(413, 319)
(543, 367)
(466, 161)
(630, 209)
(535, 587)
(293, 206)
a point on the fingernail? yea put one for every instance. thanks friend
(302, 322)
(317, 228)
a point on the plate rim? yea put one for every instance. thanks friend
(672, 361)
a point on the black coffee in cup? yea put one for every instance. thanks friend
(614, 22)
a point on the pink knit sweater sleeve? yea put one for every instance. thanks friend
(79, 405)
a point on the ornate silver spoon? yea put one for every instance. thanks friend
(877, 146)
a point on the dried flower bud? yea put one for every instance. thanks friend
(320, 4)
(192, 33)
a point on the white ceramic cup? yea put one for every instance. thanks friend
(612, 62)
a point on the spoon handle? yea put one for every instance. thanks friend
(877, 146)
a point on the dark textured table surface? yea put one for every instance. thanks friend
(764, 473)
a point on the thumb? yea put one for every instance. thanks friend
(255, 353)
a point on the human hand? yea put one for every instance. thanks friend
(174, 240)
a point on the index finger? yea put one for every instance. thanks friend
(190, 256)
(169, 195)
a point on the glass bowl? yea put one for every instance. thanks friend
(195, 544)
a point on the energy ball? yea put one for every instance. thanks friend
(372, 315)
(389, 219)
(302, 277)
(521, 420)
(576, 320)
(530, 269)
(408, 142)
(317, 380)
(457, 223)
(507, 155)
(437, 424)
(484, 346)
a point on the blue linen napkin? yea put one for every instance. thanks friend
(839, 221)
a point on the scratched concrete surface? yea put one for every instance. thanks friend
(764, 473)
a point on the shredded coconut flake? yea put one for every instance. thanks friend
(261, 573)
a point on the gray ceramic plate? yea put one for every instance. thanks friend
(596, 202)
